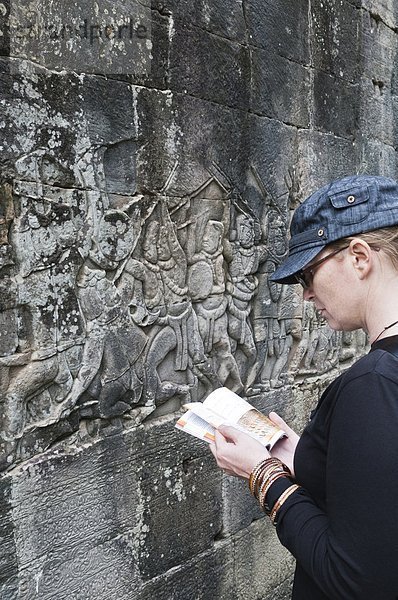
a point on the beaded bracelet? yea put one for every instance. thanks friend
(281, 500)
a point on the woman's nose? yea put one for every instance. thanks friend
(308, 293)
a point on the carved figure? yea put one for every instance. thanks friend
(207, 288)
(304, 349)
(112, 372)
(34, 373)
(176, 326)
(112, 362)
(244, 257)
(273, 337)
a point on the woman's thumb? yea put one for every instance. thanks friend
(275, 418)
(230, 433)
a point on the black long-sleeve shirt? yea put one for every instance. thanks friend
(342, 525)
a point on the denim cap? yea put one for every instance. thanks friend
(343, 208)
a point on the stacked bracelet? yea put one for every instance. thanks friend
(264, 474)
(281, 500)
(257, 475)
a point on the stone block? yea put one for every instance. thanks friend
(261, 563)
(181, 487)
(196, 132)
(209, 67)
(225, 19)
(49, 122)
(377, 111)
(324, 157)
(208, 576)
(8, 554)
(336, 38)
(118, 512)
(108, 109)
(336, 105)
(240, 509)
(105, 37)
(280, 26)
(280, 88)
(377, 157)
(273, 152)
(378, 49)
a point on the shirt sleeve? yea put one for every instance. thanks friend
(351, 551)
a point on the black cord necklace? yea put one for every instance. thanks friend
(385, 329)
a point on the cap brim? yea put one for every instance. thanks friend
(294, 263)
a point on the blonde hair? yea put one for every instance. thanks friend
(385, 238)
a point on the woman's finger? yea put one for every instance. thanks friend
(213, 449)
(275, 418)
(219, 439)
(229, 433)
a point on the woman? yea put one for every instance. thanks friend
(333, 493)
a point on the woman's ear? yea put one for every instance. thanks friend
(361, 256)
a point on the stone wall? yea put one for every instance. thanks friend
(151, 156)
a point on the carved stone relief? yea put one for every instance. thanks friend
(111, 314)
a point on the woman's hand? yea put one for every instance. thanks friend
(285, 448)
(236, 452)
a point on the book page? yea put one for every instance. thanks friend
(260, 427)
(196, 426)
(223, 407)
(205, 413)
(235, 411)
(227, 404)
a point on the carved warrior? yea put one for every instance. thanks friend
(207, 288)
(111, 372)
(165, 266)
(244, 257)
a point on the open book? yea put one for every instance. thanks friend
(223, 407)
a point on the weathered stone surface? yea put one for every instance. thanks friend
(280, 26)
(210, 67)
(255, 542)
(225, 19)
(325, 157)
(378, 108)
(8, 556)
(376, 156)
(113, 515)
(336, 105)
(378, 49)
(280, 88)
(209, 575)
(141, 212)
(335, 41)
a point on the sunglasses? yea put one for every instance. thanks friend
(305, 276)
